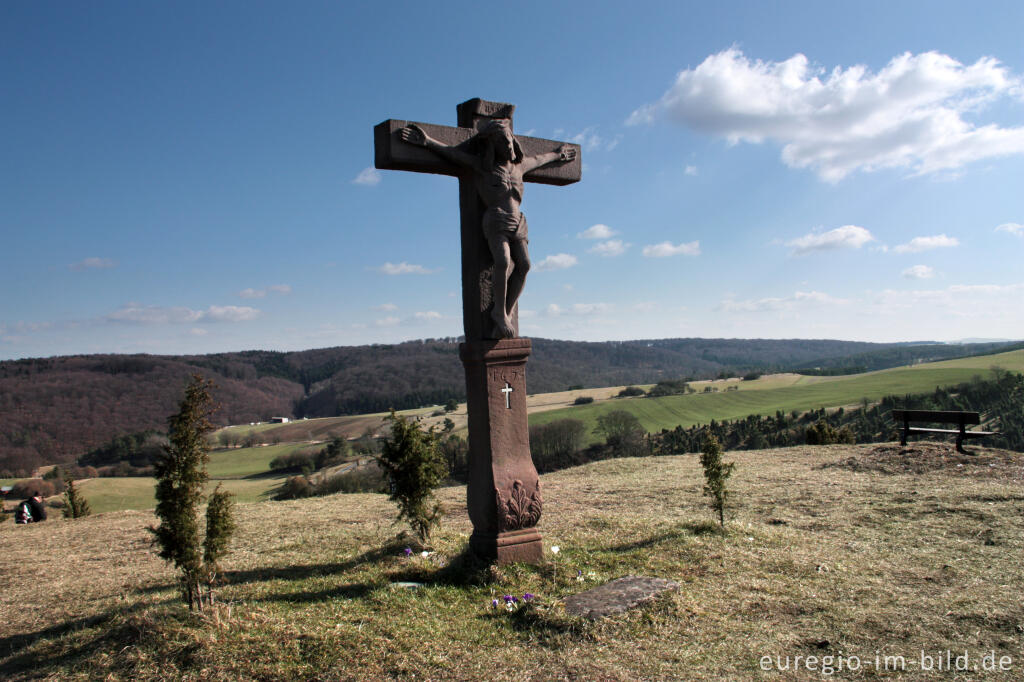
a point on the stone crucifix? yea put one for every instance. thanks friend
(492, 163)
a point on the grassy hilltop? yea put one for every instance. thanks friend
(851, 549)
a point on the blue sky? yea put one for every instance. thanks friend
(195, 177)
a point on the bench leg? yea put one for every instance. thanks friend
(960, 441)
(904, 432)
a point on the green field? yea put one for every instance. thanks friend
(770, 394)
(242, 462)
(245, 472)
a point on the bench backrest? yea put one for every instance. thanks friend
(936, 416)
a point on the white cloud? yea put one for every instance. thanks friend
(798, 299)
(598, 231)
(92, 264)
(612, 247)
(962, 300)
(910, 114)
(690, 170)
(153, 314)
(403, 268)
(919, 272)
(577, 309)
(918, 244)
(260, 293)
(665, 249)
(1012, 228)
(386, 307)
(230, 313)
(198, 331)
(845, 237)
(368, 177)
(387, 321)
(589, 140)
(558, 261)
(427, 315)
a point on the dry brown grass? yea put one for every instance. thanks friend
(831, 549)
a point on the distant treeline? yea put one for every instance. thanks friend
(54, 409)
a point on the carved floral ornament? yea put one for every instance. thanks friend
(520, 510)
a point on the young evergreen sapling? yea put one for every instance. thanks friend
(75, 506)
(414, 466)
(715, 474)
(181, 474)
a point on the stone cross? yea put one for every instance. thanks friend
(503, 494)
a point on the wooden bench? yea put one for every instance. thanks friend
(962, 419)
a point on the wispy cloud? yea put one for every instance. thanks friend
(558, 261)
(368, 177)
(666, 249)
(136, 313)
(577, 309)
(590, 141)
(404, 268)
(1012, 228)
(962, 300)
(92, 264)
(910, 114)
(918, 244)
(599, 231)
(427, 315)
(798, 299)
(919, 272)
(283, 289)
(385, 307)
(845, 237)
(690, 170)
(612, 247)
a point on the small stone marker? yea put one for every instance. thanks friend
(618, 596)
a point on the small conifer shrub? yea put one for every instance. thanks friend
(75, 506)
(715, 474)
(414, 467)
(181, 474)
(220, 525)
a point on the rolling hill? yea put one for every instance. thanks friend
(53, 409)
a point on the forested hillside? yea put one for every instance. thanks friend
(53, 409)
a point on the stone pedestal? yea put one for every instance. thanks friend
(503, 495)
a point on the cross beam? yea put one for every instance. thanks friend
(392, 153)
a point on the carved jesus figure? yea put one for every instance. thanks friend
(498, 171)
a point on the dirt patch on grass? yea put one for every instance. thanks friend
(920, 458)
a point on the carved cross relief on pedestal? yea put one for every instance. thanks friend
(508, 397)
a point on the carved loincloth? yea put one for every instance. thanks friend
(499, 223)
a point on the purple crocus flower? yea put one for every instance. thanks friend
(509, 599)
(407, 551)
(527, 597)
(494, 603)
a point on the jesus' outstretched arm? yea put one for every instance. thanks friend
(415, 135)
(564, 153)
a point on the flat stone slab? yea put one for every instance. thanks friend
(617, 596)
